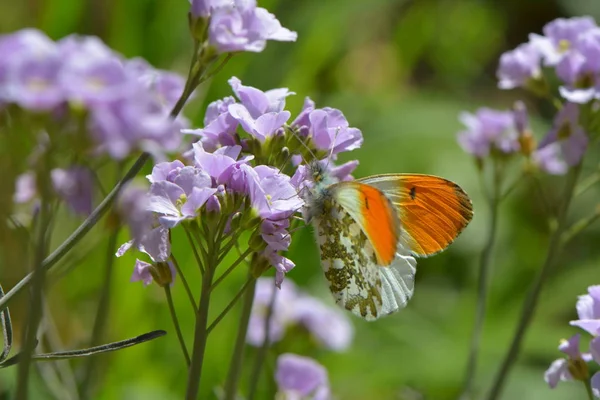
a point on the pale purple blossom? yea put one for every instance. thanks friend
(568, 134)
(155, 243)
(549, 159)
(241, 26)
(560, 36)
(518, 66)
(488, 129)
(203, 8)
(219, 126)
(132, 207)
(579, 69)
(329, 326)
(558, 371)
(25, 188)
(141, 272)
(75, 187)
(330, 131)
(588, 310)
(300, 377)
(595, 381)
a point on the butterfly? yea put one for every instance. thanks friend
(369, 230)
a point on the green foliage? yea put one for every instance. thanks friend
(401, 72)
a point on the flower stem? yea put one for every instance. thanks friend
(185, 283)
(237, 358)
(528, 310)
(230, 305)
(262, 352)
(186, 355)
(194, 250)
(38, 275)
(588, 389)
(101, 312)
(482, 284)
(241, 258)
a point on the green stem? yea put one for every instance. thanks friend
(186, 355)
(101, 312)
(185, 283)
(580, 226)
(588, 389)
(482, 284)
(237, 358)
(229, 306)
(29, 339)
(241, 258)
(529, 306)
(262, 352)
(194, 250)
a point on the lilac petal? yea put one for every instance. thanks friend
(588, 306)
(192, 177)
(571, 346)
(579, 96)
(141, 272)
(557, 371)
(124, 248)
(230, 151)
(343, 172)
(254, 100)
(196, 199)
(156, 244)
(213, 163)
(549, 159)
(271, 28)
(303, 118)
(327, 324)
(25, 188)
(267, 124)
(299, 374)
(595, 381)
(75, 187)
(162, 198)
(590, 325)
(595, 349)
(243, 116)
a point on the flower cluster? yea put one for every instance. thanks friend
(328, 326)
(238, 25)
(236, 173)
(574, 366)
(79, 82)
(570, 50)
(300, 377)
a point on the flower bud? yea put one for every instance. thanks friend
(578, 369)
(162, 273)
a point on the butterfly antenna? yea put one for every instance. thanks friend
(314, 156)
(332, 147)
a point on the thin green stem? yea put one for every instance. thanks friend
(229, 306)
(241, 258)
(29, 338)
(529, 306)
(580, 226)
(262, 352)
(101, 312)
(587, 183)
(186, 355)
(482, 284)
(194, 250)
(588, 389)
(237, 358)
(185, 283)
(196, 235)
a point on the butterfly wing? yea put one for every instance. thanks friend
(357, 233)
(432, 210)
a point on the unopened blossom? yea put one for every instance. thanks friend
(518, 66)
(559, 369)
(241, 26)
(300, 377)
(163, 273)
(489, 129)
(588, 310)
(75, 187)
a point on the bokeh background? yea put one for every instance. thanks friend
(401, 71)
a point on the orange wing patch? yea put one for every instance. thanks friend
(433, 210)
(380, 223)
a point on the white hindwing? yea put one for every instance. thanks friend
(356, 280)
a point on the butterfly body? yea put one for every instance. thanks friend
(368, 231)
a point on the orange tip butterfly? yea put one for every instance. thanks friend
(369, 230)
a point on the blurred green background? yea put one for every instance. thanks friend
(401, 71)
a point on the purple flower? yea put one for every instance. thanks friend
(588, 310)
(281, 264)
(328, 325)
(25, 188)
(141, 272)
(167, 86)
(241, 26)
(596, 384)
(155, 243)
(567, 132)
(301, 377)
(518, 66)
(549, 159)
(579, 68)
(272, 195)
(179, 197)
(488, 129)
(75, 187)
(330, 131)
(203, 8)
(219, 126)
(595, 349)
(558, 371)
(559, 37)
(283, 312)
(132, 207)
